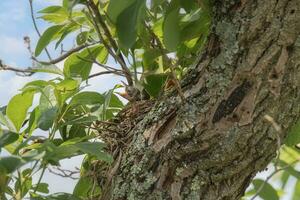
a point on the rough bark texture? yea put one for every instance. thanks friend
(212, 145)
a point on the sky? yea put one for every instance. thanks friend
(15, 23)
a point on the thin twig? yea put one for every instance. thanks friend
(104, 72)
(36, 27)
(64, 56)
(64, 173)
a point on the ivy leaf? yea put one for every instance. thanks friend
(17, 108)
(127, 23)
(293, 137)
(171, 30)
(267, 192)
(46, 38)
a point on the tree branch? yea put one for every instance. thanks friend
(25, 72)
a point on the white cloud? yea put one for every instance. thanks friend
(11, 46)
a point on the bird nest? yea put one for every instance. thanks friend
(116, 133)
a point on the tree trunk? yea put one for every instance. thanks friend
(210, 146)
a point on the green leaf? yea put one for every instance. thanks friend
(85, 120)
(33, 120)
(196, 24)
(289, 168)
(115, 8)
(154, 83)
(17, 108)
(54, 14)
(84, 187)
(87, 98)
(150, 59)
(46, 38)
(127, 23)
(50, 69)
(56, 196)
(296, 195)
(284, 179)
(267, 192)
(171, 30)
(67, 88)
(10, 164)
(293, 137)
(6, 122)
(103, 54)
(35, 86)
(64, 32)
(53, 9)
(79, 65)
(82, 37)
(7, 137)
(95, 149)
(42, 187)
(115, 102)
(48, 108)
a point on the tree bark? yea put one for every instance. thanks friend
(210, 146)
